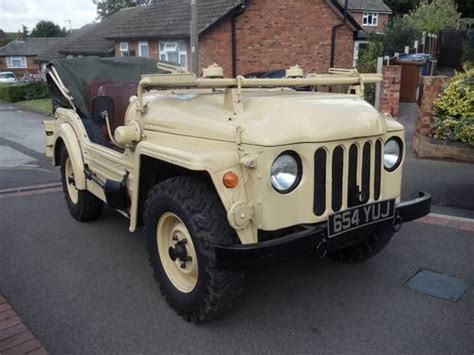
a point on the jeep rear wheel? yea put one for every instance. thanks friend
(82, 205)
(184, 221)
(365, 250)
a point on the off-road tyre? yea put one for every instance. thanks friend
(363, 251)
(88, 207)
(199, 208)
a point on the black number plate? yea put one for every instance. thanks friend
(360, 216)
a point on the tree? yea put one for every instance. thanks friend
(434, 16)
(402, 7)
(48, 29)
(25, 31)
(105, 8)
(466, 7)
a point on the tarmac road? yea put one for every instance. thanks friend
(88, 288)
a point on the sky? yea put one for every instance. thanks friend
(14, 13)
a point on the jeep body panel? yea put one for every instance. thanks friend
(270, 118)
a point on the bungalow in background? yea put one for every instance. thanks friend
(21, 56)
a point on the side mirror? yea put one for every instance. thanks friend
(102, 106)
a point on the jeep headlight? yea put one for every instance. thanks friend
(286, 172)
(393, 153)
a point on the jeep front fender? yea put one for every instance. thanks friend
(195, 158)
(68, 136)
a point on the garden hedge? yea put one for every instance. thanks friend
(23, 92)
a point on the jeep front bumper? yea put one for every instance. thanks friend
(311, 238)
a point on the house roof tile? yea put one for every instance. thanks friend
(31, 46)
(88, 40)
(165, 18)
(367, 5)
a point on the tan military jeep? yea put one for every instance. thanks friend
(227, 174)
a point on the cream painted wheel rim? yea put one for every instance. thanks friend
(71, 182)
(177, 253)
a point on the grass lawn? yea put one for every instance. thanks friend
(43, 106)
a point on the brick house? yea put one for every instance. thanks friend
(240, 35)
(372, 15)
(21, 56)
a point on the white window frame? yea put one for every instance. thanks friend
(23, 63)
(357, 50)
(173, 47)
(124, 49)
(140, 53)
(370, 19)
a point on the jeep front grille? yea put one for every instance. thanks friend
(347, 176)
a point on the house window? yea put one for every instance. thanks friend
(174, 52)
(370, 19)
(16, 62)
(143, 49)
(124, 49)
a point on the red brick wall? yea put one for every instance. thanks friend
(269, 39)
(216, 47)
(390, 90)
(383, 20)
(432, 87)
(276, 34)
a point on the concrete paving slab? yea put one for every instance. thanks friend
(25, 128)
(10, 157)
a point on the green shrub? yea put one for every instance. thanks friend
(454, 110)
(35, 91)
(23, 92)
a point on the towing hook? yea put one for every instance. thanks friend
(321, 249)
(396, 224)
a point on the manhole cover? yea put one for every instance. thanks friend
(439, 285)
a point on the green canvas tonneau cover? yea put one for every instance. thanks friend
(77, 74)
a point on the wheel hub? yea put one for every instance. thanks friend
(177, 253)
(71, 182)
(180, 252)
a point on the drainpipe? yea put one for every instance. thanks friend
(334, 35)
(195, 36)
(239, 12)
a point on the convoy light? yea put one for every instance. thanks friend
(286, 172)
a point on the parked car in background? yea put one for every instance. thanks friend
(7, 77)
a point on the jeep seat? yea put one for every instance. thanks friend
(120, 94)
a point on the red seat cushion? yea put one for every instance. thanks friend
(120, 93)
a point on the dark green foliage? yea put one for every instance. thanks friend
(25, 31)
(105, 8)
(397, 35)
(48, 29)
(401, 7)
(466, 7)
(24, 92)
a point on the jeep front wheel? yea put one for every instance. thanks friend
(82, 205)
(184, 221)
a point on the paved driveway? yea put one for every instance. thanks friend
(87, 288)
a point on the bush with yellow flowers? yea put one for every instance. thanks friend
(454, 110)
